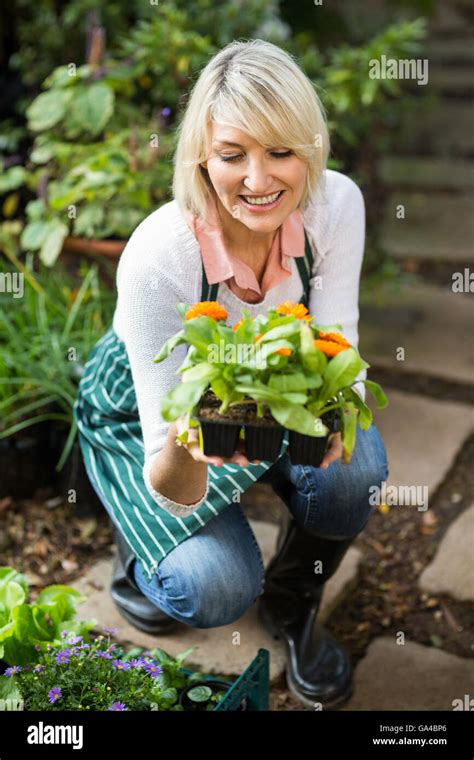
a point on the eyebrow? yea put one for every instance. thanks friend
(226, 142)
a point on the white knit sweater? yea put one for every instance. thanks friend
(161, 266)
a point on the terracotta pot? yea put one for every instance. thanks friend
(80, 245)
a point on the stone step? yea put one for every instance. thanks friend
(452, 80)
(426, 172)
(444, 128)
(450, 50)
(418, 318)
(422, 437)
(436, 226)
(410, 676)
(451, 18)
(452, 569)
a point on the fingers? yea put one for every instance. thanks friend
(334, 451)
(238, 457)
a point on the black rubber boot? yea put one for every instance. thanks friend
(318, 668)
(132, 604)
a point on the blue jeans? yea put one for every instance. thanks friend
(213, 577)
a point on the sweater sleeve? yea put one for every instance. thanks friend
(145, 318)
(340, 237)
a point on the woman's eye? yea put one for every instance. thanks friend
(275, 154)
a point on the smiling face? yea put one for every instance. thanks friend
(257, 187)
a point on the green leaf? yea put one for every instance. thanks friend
(201, 371)
(169, 346)
(377, 393)
(200, 693)
(296, 381)
(312, 359)
(365, 413)
(12, 179)
(91, 109)
(34, 235)
(53, 243)
(48, 109)
(341, 371)
(182, 399)
(9, 689)
(282, 331)
(89, 220)
(298, 418)
(12, 594)
(348, 430)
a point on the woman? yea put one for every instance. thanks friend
(256, 221)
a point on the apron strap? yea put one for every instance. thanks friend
(305, 268)
(208, 292)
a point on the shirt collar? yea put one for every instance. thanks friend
(218, 263)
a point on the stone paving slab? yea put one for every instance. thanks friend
(435, 128)
(428, 172)
(452, 569)
(451, 50)
(425, 320)
(422, 437)
(217, 652)
(436, 226)
(409, 677)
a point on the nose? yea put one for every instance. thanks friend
(258, 179)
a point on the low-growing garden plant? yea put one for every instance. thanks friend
(282, 360)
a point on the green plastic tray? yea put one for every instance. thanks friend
(253, 685)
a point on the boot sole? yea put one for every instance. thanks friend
(278, 636)
(167, 626)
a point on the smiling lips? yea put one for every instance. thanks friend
(262, 200)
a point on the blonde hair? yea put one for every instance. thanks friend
(258, 88)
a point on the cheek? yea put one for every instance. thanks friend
(222, 178)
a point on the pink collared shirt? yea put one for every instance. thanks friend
(221, 266)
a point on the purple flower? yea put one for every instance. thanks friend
(153, 670)
(120, 665)
(63, 656)
(38, 668)
(117, 706)
(64, 634)
(54, 694)
(165, 111)
(137, 662)
(104, 655)
(110, 631)
(13, 670)
(74, 639)
(37, 647)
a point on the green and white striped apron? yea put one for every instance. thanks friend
(111, 441)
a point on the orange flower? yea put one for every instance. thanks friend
(297, 309)
(207, 309)
(329, 347)
(335, 338)
(237, 325)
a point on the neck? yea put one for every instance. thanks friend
(242, 241)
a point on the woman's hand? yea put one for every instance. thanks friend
(194, 449)
(334, 450)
